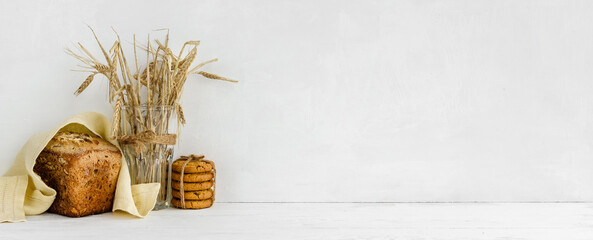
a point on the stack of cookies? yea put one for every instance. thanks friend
(193, 182)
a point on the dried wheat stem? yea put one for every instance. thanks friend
(87, 53)
(201, 65)
(101, 46)
(85, 84)
(117, 116)
(136, 58)
(214, 76)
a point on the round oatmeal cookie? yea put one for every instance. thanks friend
(194, 195)
(194, 166)
(199, 204)
(192, 186)
(192, 177)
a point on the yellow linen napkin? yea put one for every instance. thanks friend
(22, 192)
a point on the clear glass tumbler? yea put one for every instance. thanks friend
(148, 160)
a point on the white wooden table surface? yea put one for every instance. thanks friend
(325, 221)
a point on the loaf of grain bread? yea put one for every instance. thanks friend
(83, 169)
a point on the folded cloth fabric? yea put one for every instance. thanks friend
(22, 192)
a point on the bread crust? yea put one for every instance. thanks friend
(83, 170)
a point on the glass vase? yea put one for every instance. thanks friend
(148, 159)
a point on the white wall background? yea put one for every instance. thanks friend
(342, 100)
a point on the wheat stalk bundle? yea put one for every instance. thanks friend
(159, 83)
